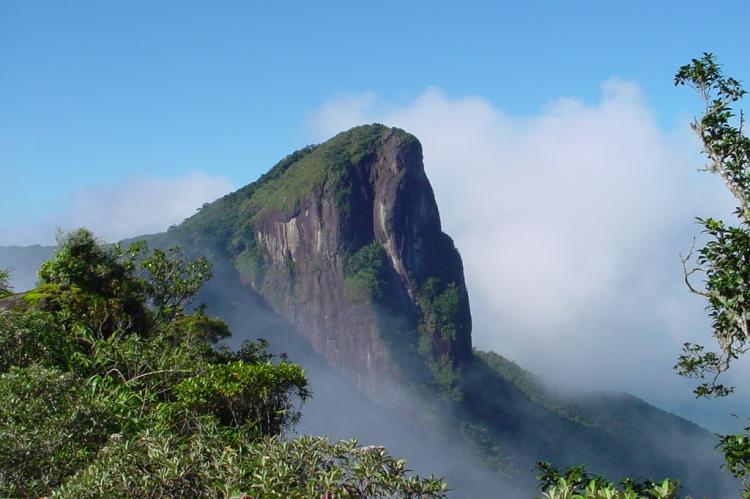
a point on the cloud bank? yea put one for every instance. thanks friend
(570, 223)
(130, 207)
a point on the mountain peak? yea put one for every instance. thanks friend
(344, 241)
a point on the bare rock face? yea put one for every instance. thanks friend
(344, 241)
(13, 302)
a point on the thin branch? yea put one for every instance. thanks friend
(115, 370)
(687, 273)
(163, 371)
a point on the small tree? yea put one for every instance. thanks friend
(5, 287)
(173, 281)
(94, 284)
(724, 261)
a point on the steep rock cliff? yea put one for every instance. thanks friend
(344, 241)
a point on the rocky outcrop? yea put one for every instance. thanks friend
(13, 302)
(344, 241)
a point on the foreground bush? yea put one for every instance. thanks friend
(576, 483)
(160, 465)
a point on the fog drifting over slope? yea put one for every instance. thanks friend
(570, 224)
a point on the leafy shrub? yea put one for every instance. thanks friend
(34, 337)
(576, 483)
(50, 426)
(155, 464)
(736, 450)
(314, 467)
(163, 465)
(240, 394)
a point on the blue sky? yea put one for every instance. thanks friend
(92, 92)
(557, 145)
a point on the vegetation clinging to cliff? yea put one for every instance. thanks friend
(226, 221)
(364, 273)
(330, 162)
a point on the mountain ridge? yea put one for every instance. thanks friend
(369, 251)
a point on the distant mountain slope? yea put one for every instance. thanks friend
(337, 256)
(658, 443)
(23, 261)
(619, 413)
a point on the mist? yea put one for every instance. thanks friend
(570, 223)
(338, 410)
(132, 206)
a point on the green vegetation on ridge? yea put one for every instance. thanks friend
(286, 184)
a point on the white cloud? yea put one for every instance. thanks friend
(569, 222)
(341, 113)
(130, 207)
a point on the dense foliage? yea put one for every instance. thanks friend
(110, 387)
(364, 277)
(576, 483)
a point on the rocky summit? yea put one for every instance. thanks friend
(344, 241)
